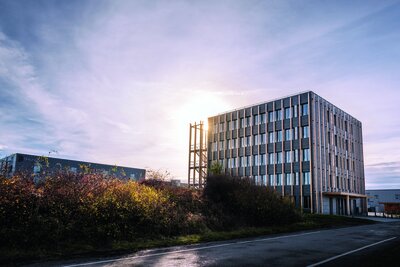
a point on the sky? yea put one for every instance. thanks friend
(118, 82)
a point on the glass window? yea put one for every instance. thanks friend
(279, 157)
(306, 132)
(296, 155)
(248, 140)
(221, 145)
(264, 179)
(288, 156)
(294, 111)
(263, 118)
(271, 137)
(296, 178)
(248, 121)
(304, 109)
(271, 116)
(221, 127)
(287, 113)
(279, 179)
(241, 162)
(288, 135)
(271, 180)
(271, 158)
(242, 144)
(248, 161)
(36, 169)
(263, 159)
(255, 160)
(288, 179)
(306, 154)
(263, 138)
(278, 115)
(242, 122)
(306, 178)
(295, 133)
(256, 120)
(255, 139)
(279, 136)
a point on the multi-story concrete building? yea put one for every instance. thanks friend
(302, 145)
(37, 164)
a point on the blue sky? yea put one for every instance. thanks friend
(118, 82)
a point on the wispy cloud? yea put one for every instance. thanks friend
(119, 81)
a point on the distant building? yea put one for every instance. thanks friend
(384, 200)
(302, 146)
(18, 163)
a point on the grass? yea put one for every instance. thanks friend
(12, 256)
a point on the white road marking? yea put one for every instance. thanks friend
(186, 250)
(350, 252)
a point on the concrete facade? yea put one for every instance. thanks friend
(303, 146)
(18, 162)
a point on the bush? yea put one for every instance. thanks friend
(234, 202)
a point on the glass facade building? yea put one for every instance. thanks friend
(303, 146)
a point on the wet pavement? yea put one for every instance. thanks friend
(295, 249)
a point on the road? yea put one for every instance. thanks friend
(344, 246)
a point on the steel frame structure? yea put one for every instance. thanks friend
(197, 167)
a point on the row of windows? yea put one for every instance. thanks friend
(277, 115)
(283, 179)
(273, 158)
(260, 139)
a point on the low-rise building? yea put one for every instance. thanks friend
(18, 163)
(384, 200)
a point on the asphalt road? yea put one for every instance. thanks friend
(354, 246)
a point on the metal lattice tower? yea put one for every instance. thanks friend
(197, 170)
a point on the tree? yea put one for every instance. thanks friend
(216, 168)
(159, 174)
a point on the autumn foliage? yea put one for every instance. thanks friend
(93, 209)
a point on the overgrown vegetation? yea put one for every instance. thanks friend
(68, 213)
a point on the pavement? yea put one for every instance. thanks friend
(342, 246)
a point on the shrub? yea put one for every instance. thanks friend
(236, 202)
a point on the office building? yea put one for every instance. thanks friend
(303, 146)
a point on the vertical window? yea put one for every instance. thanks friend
(215, 128)
(263, 118)
(242, 122)
(264, 179)
(304, 109)
(279, 137)
(296, 178)
(296, 155)
(242, 144)
(279, 115)
(248, 121)
(248, 140)
(306, 132)
(295, 133)
(287, 113)
(294, 111)
(279, 157)
(241, 163)
(255, 160)
(271, 180)
(271, 116)
(255, 139)
(288, 179)
(263, 159)
(271, 137)
(256, 120)
(306, 178)
(306, 154)
(271, 158)
(248, 161)
(221, 145)
(263, 138)
(288, 157)
(288, 135)
(221, 127)
(279, 179)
